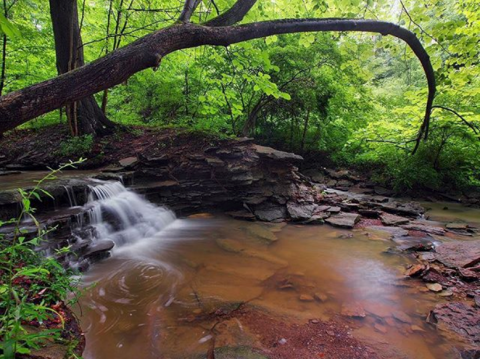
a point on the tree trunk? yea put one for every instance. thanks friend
(304, 135)
(4, 51)
(84, 115)
(250, 123)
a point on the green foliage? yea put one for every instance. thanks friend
(76, 146)
(31, 285)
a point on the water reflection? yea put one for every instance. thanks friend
(146, 295)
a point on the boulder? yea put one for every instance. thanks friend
(298, 211)
(270, 212)
(344, 220)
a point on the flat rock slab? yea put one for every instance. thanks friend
(344, 220)
(128, 162)
(456, 226)
(269, 152)
(425, 228)
(459, 318)
(459, 254)
(393, 220)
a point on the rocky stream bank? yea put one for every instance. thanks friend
(192, 174)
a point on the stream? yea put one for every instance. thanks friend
(155, 296)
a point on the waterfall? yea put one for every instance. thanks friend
(122, 216)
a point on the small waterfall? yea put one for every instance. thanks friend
(71, 196)
(122, 216)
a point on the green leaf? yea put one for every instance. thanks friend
(8, 28)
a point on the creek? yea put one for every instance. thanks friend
(154, 297)
(162, 286)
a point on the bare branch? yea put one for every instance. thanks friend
(233, 15)
(472, 126)
(188, 10)
(216, 7)
(422, 30)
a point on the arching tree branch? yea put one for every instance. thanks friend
(21, 106)
(233, 15)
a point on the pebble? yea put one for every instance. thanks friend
(434, 287)
(306, 298)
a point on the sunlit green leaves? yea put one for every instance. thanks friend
(8, 28)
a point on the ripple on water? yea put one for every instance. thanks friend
(147, 297)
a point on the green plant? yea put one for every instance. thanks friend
(33, 287)
(76, 146)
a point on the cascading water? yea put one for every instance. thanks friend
(122, 216)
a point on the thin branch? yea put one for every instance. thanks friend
(215, 6)
(124, 34)
(168, 10)
(422, 30)
(464, 120)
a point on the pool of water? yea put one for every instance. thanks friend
(141, 303)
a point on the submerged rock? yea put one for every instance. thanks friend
(402, 316)
(260, 232)
(353, 310)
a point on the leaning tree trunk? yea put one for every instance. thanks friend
(84, 115)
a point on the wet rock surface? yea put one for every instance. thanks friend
(459, 318)
(458, 254)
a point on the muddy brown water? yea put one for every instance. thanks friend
(140, 303)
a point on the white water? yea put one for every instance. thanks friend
(120, 215)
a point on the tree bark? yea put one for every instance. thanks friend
(4, 52)
(20, 106)
(84, 114)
